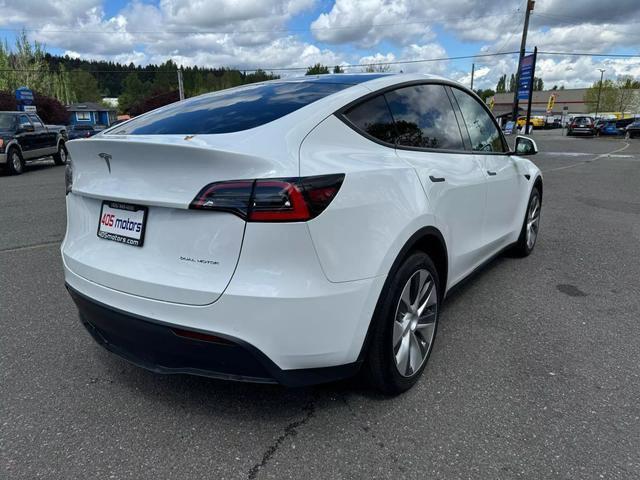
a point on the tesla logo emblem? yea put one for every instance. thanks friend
(107, 158)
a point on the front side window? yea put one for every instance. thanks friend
(485, 136)
(374, 118)
(424, 117)
(7, 121)
(24, 121)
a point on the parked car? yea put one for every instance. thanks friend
(23, 136)
(324, 245)
(81, 131)
(581, 126)
(536, 122)
(606, 127)
(632, 130)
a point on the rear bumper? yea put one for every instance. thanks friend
(168, 349)
(582, 131)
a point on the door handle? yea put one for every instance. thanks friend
(491, 174)
(436, 179)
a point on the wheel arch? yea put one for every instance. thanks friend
(13, 144)
(428, 240)
(538, 184)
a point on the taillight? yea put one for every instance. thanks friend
(271, 200)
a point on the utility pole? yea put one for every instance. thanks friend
(523, 46)
(180, 85)
(473, 69)
(602, 70)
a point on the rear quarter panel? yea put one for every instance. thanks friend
(379, 206)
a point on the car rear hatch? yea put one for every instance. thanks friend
(148, 182)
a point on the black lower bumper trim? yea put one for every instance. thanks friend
(156, 347)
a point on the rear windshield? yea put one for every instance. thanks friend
(230, 111)
(582, 120)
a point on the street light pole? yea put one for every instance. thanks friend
(602, 70)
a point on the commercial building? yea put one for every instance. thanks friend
(568, 102)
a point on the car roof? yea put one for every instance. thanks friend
(372, 81)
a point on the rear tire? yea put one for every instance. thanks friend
(15, 162)
(530, 226)
(60, 157)
(404, 326)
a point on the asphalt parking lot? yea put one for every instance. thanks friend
(535, 372)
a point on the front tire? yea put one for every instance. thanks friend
(405, 325)
(530, 226)
(60, 157)
(15, 162)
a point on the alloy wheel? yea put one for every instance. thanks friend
(16, 162)
(533, 221)
(415, 323)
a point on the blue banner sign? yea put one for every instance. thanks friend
(525, 82)
(24, 99)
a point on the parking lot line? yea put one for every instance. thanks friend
(598, 157)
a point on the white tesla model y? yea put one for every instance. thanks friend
(293, 231)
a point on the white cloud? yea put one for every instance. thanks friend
(350, 31)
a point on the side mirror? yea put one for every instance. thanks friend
(525, 146)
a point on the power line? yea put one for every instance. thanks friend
(353, 65)
(586, 54)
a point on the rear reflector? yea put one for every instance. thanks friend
(271, 200)
(203, 337)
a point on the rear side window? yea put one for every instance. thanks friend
(230, 111)
(374, 118)
(36, 122)
(424, 117)
(485, 136)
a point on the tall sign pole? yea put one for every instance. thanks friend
(523, 46)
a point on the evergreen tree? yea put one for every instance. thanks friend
(317, 69)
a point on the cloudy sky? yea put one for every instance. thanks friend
(297, 33)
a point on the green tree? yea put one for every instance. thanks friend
(317, 69)
(501, 87)
(538, 84)
(485, 94)
(134, 91)
(377, 69)
(25, 66)
(85, 86)
(615, 96)
(338, 69)
(512, 83)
